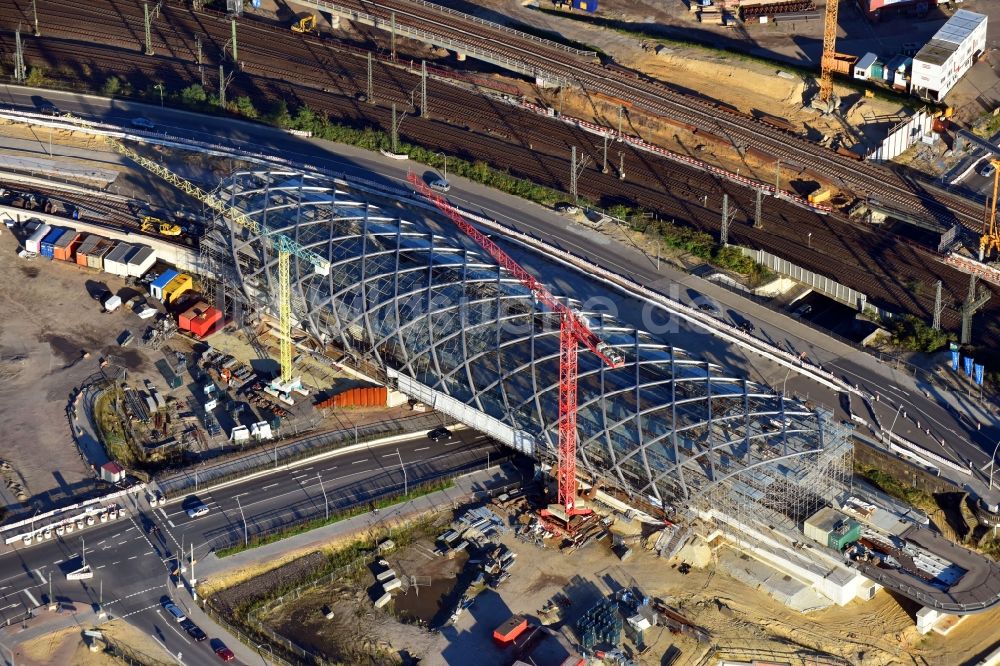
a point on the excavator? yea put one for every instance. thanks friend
(305, 24)
(154, 225)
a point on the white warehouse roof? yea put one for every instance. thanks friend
(959, 26)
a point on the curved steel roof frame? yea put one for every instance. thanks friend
(665, 425)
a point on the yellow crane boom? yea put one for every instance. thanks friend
(827, 63)
(989, 241)
(281, 244)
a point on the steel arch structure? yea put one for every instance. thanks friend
(666, 427)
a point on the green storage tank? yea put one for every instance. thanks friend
(846, 534)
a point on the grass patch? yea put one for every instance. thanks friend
(112, 431)
(913, 334)
(890, 486)
(357, 510)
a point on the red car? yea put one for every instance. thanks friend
(225, 654)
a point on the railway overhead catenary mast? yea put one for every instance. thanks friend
(573, 332)
(989, 241)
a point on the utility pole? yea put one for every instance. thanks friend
(621, 165)
(757, 222)
(572, 174)
(149, 33)
(724, 234)
(19, 69)
(222, 87)
(246, 537)
(777, 177)
(235, 52)
(972, 305)
(34, 13)
(936, 325)
(326, 503)
(395, 133)
(621, 115)
(604, 164)
(371, 90)
(424, 113)
(201, 68)
(392, 20)
(194, 592)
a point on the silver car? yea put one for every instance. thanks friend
(440, 185)
(197, 511)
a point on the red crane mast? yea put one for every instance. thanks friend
(573, 332)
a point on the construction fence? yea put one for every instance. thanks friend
(820, 283)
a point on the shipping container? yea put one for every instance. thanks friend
(95, 259)
(47, 246)
(33, 244)
(184, 320)
(203, 324)
(176, 287)
(116, 261)
(156, 286)
(584, 5)
(141, 261)
(66, 246)
(86, 247)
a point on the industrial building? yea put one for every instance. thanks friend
(946, 58)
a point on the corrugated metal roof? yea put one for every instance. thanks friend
(89, 244)
(141, 255)
(959, 26)
(120, 253)
(867, 61)
(947, 40)
(164, 279)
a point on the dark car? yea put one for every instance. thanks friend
(746, 326)
(49, 109)
(438, 434)
(194, 631)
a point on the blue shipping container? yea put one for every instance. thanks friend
(48, 244)
(584, 5)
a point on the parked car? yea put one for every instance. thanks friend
(178, 614)
(194, 631)
(986, 168)
(438, 434)
(567, 208)
(746, 326)
(709, 309)
(802, 311)
(49, 109)
(197, 511)
(143, 123)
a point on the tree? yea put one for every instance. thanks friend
(278, 115)
(193, 96)
(305, 119)
(112, 86)
(245, 107)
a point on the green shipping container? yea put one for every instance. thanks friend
(878, 71)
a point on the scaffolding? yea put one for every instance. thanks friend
(787, 486)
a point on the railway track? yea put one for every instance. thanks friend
(865, 179)
(526, 144)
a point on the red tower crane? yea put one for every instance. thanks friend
(573, 332)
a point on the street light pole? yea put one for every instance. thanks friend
(992, 458)
(326, 504)
(159, 86)
(894, 421)
(406, 486)
(445, 157)
(246, 538)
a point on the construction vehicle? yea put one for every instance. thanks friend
(153, 225)
(573, 332)
(989, 241)
(305, 24)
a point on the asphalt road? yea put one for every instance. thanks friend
(132, 563)
(949, 416)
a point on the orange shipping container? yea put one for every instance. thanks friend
(205, 322)
(66, 247)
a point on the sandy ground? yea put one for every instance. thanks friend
(744, 623)
(49, 321)
(67, 646)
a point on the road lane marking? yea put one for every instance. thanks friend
(165, 516)
(148, 552)
(41, 576)
(330, 469)
(11, 606)
(102, 566)
(34, 601)
(242, 494)
(100, 542)
(122, 543)
(133, 557)
(171, 523)
(389, 455)
(183, 637)
(422, 448)
(58, 562)
(273, 485)
(357, 462)
(307, 469)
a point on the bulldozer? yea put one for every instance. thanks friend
(155, 225)
(305, 24)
